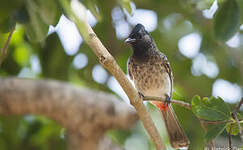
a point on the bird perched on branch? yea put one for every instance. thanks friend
(152, 76)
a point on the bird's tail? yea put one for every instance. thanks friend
(177, 136)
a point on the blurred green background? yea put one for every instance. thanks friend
(205, 50)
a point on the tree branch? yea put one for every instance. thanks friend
(84, 113)
(230, 137)
(178, 102)
(76, 12)
(5, 48)
(237, 108)
(238, 124)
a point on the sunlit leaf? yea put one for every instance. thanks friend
(227, 20)
(212, 109)
(21, 55)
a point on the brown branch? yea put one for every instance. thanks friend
(237, 108)
(230, 137)
(86, 114)
(238, 124)
(178, 102)
(108, 61)
(5, 48)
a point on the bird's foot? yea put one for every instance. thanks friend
(140, 95)
(167, 100)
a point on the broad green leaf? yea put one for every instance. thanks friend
(214, 130)
(36, 29)
(212, 109)
(49, 11)
(227, 20)
(53, 50)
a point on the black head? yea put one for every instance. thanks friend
(139, 37)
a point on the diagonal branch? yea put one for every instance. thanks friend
(5, 48)
(237, 108)
(76, 12)
(236, 118)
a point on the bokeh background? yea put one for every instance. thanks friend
(46, 44)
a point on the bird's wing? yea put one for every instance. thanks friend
(169, 71)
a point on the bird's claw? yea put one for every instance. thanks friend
(167, 100)
(140, 95)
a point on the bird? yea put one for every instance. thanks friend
(152, 75)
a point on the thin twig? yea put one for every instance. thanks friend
(5, 48)
(178, 102)
(230, 137)
(238, 124)
(237, 108)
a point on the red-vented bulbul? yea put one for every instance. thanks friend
(152, 75)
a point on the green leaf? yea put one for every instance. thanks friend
(36, 29)
(227, 20)
(21, 55)
(235, 129)
(212, 109)
(214, 130)
(49, 11)
(53, 50)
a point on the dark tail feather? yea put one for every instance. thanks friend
(177, 136)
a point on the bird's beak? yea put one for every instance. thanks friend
(129, 40)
